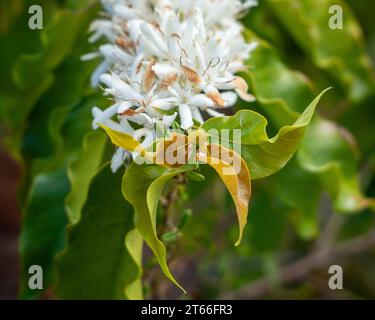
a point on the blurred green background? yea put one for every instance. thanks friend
(316, 212)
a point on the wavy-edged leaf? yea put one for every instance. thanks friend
(340, 52)
(43, 232)
(81, 172)
(283, 93)
(264, 156)
(264, 55)
(331, 152)
(142, 186)
(60, 143)
(48, 144)
(223, 160)
(62, 24)
(102, 259)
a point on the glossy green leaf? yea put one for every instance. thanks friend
(264, 156)
(283, 93)
(67, 137)
(32, 73)
(142, 186)
(43, 232)
(298, 86)
(331, 152)
(81, 172)
(103, 255)
(340, 52)
(48, 143)
(218, 157)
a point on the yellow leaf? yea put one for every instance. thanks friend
(235, 174)
(127, 142)
(230, 166)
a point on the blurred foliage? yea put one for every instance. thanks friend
(85, 268)
(69, 212)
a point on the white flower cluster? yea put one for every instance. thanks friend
(168, 63)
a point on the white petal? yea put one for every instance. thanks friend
(124, 12)
(103, 116)
(127, 128)
(149, 48)
(96, 112)
(246, 96)
(154, 36)
(168, 120)
(201, 101)
(164, 104)
(120, 88)
(214, 113)
(142, 119)
(197, 115)
(118, 159)
(90, 56)
(95, 78)
(163, 70)
(116, 54)
(200, 56)
(225, 83)
(134, 28)
(115, 126)
(101, 28)
(185, 116)
(230, 98)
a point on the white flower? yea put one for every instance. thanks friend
(168, 61)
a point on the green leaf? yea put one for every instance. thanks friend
(339, 52)
(195, 176)
(300, 192)
(81, 172)
(43, 230)
(238, 183)
(48, 146)
(40, 64)
(347, 182)
(331, 152)
(67, 144)
(102, 259)
(283, 93)
(264, 156)
(185, 218)
(142, 186)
